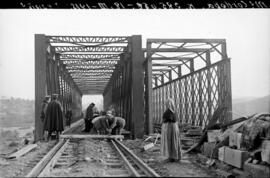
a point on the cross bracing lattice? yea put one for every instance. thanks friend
(88, 60)
(195, 73)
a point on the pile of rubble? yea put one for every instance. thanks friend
(190, 135)
(245, 147)
(242, 146)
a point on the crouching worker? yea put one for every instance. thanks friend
(101, 125)
(116, 124)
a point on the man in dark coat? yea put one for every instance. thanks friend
(68, 116)
(54, 117)
(88, 117)
(44, 106)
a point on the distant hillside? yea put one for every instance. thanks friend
(16, 112)
(248, 106)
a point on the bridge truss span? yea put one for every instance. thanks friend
(134, 79)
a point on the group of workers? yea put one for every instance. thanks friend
(109, 123)
(52, 117)
(103, 122)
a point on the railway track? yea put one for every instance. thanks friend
(91, 157)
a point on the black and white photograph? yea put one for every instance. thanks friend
(135, 93)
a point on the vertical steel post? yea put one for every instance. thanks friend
(209, 88)
(40, 82)
(148, 91)
(137, 86)
(227, 73)
(192, 91)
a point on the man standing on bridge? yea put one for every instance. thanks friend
(44, 106)
(89, 117)
(54, 117)
(68, 116)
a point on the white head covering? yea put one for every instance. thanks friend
(170, 104)
(109, 113)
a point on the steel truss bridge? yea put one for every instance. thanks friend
(137, 81)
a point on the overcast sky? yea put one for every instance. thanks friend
(247, 32)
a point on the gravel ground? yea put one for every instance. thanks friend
(90, 157)
(87, 154)
(91, 153)
(22, 166)
(187, 167)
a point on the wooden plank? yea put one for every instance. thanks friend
(93, 136)
(22, 151)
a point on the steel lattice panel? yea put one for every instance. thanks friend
(196, 95)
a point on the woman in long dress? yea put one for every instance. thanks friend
(170, 137)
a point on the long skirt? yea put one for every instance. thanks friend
(170, 141)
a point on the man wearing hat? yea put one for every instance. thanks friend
(44, 106)
(88, 118)
(54, 117)
(116, 124)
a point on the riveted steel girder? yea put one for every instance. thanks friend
(101, 49)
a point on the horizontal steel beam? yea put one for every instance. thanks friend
(87, 39)
(161, 69)
(91, 62)
(172, 58)
(90, 67)
(91, 87)
(94, 83)
(155, 64)
(60, 49)
(92, 80)
(89, 56)
(84, 77)
(91, 90)
(89, 70)
(101, 80)
(156, 40)
(91, 74)
(101, 88)
(185, 50)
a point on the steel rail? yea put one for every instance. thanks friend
(144, 167)
(41, 165)
(130, 167)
